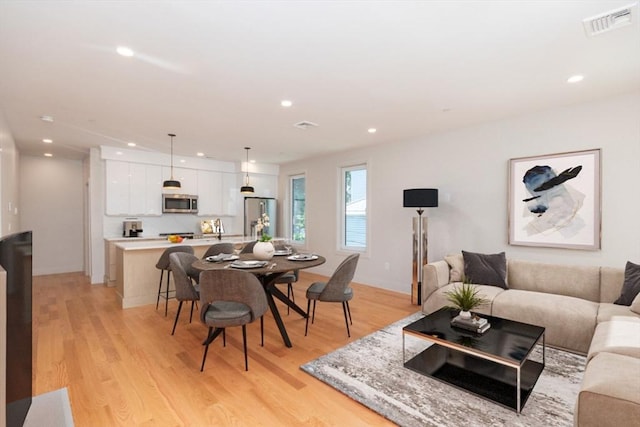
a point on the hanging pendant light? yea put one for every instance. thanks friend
(246, 188)
(171, 184)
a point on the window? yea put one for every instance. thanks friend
(354, 208)
(298, 207)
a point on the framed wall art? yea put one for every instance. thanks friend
(554, 200)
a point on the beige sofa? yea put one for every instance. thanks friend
(575, 305)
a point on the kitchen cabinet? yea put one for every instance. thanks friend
(209, 193)
(230, 194)
(264, 185)
(133, 189)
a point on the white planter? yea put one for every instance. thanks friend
(263, 250)
(465, 314)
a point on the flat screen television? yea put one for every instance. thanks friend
(16, 259)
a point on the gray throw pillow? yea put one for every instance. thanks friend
(485, 269)
(631, 285)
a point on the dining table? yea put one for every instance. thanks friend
(268, 274)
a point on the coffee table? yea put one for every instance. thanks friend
(495, 365)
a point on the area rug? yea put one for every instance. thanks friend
(370, 371)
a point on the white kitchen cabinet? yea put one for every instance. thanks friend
(209, 193)
(133, 189)
(230, 194)
(264, 185)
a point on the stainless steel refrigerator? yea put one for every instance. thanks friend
(254, 207)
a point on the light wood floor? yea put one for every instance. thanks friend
(123, 367)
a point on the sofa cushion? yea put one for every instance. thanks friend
(456, 264)
(569, 321)
(620, 336)
(609, 395)
(631, 285)
(611, 280)
(486, 269)
(438, 299)
(607, 311)
(570, 280)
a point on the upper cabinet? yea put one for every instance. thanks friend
(188, 179)
(133, 189)
(209, 193)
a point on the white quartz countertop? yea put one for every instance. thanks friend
(133, 244)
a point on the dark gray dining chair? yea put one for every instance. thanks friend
(180, 263)
(163, 265)
(230, 298)
(219, 248)
(248, 248)
(336, 289)
(288, 278)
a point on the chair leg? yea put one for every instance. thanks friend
(166, 301)
(313, 316)
(346, 322)
(244, 344)
(159, 288)
(191, 315)
(290, 295)
(210, 337)
(349, 311)
(176, 321)
(224, 338)
(306, 325)
(262, 331)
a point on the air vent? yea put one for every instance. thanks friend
(304, 125)
(609, 21)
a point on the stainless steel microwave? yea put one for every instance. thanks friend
(179, 203)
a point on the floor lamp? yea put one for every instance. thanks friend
(419, 198)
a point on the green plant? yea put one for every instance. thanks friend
(465, 297)
(264, 238)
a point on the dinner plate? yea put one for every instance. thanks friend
(248, 264)
(218, 258)
(302, 257)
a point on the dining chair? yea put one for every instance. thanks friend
(230, 298)
(288, 278)
(336, 289)
(163, 265)
(219, 248)
(180, 263)
(248, 248)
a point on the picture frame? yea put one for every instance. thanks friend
(555, 200)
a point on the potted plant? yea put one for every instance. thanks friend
(465, 298)
(263, 249)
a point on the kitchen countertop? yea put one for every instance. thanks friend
(133, 243)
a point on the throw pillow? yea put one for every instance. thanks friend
(635, 305)
(631, 285)
(485, 269)
(456, 267)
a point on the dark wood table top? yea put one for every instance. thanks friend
(277, 264)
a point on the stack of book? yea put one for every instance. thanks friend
(474, 324)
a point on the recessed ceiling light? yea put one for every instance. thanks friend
(183, 161)
(286, 103)
(125, 51)
(200, 154)
(48, 155)
(46, 119)
(119, 153)
(47, 141)
(131, 144)
(372, 130)
(252, 161)
(575, 79)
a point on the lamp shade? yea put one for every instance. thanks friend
(246, 189)
(420, 198)
(171, 184)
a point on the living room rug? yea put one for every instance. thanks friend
(370, 371)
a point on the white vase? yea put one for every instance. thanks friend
(263, 250)
(465, 314)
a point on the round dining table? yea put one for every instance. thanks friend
(268, 275)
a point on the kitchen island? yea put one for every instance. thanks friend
(137, 277)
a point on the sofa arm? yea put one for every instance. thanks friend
(434, 275)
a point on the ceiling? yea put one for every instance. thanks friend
(214, 73)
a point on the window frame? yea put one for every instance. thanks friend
(291, 218)
(341, 211)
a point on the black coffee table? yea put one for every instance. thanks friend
(494, 365)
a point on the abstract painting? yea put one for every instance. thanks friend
(554, 200)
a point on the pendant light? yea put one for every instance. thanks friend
(171, 184)
(246, 188)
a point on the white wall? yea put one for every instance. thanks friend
(52, 195)
(470, 168)
(9, 197)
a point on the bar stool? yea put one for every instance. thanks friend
(163, 265)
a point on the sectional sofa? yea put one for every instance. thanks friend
(576, 306)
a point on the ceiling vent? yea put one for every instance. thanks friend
(609, 21)
(304, 125)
